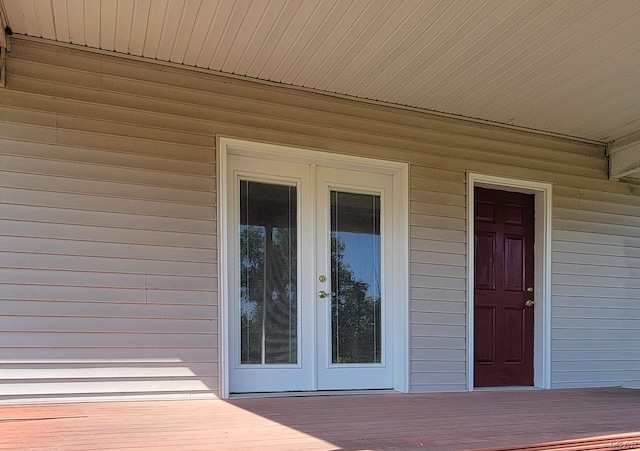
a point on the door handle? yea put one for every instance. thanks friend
(529, 303)
(323, 294)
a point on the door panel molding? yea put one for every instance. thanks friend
(542, 269)
(400, 212)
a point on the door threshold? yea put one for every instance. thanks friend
(508, 388)
(289, 394)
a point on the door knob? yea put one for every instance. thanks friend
(323, 294)
(529, 303)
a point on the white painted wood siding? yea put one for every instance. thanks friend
(108, 233)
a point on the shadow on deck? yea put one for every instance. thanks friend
(576, 419)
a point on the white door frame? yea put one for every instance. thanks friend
(542, 270)
(400, 174)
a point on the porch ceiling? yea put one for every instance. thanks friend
(570, 67)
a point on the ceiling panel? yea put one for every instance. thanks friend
(564, 66)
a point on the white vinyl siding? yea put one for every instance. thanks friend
(108, 251)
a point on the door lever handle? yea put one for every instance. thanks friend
(323, 294)
(529, 303)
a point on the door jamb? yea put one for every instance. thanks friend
(400, 174)
(542, 269)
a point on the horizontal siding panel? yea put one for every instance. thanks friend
(116, 143)
(75, 163)
(99, 356)
(37, 182)
(429, 183)
(596, 323)
(604, 292)
(595, 209)
(421, 342)
(607, 355)
(439, 246)
(598, 303)
(68, 278)
(595, 260)
(595, 270)
(73, 176)
(594, 227)
(27, 293)
(57, 73)
(437, 331)
(608, 219)
(25, 116)
(92, 294)
(428, 213)
(431, 269)
(594, 238)
(598, 249)
(99, 341)
(439, 258)
(441, 355)
(438, 388)
(114, 265)
(106, 204)
(87, 248)
(437, 379)
(199, 145)
(33, 106)
(434, 366)
(598, 378)
(446, 283)
(79, 324)
(577, 333)
(107, 310)
(438, 222)
(31, 133)
(610, 343)
(432, 306)
(438, 294)
(623, 195)
(105, 234)
(452, 319)
(175, 282)
(597, 281)
(74, 215)
(429, 233)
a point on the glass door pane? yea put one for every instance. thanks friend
(268, 273)
(355, 278)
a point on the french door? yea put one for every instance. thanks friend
(310, 277)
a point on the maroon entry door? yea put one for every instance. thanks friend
(503, 292)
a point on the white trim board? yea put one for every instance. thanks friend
(542, 270)
(400, 173)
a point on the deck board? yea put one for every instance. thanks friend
(571, 419)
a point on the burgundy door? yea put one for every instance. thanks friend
(503, 285)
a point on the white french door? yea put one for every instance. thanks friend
(353, 241)
(310, 277)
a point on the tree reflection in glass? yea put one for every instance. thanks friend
(355, 278)
(268, 273)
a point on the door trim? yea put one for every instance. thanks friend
(542, 269)
(400, 174)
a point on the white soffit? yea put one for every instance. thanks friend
(563, 66)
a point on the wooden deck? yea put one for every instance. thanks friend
(580, 419)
